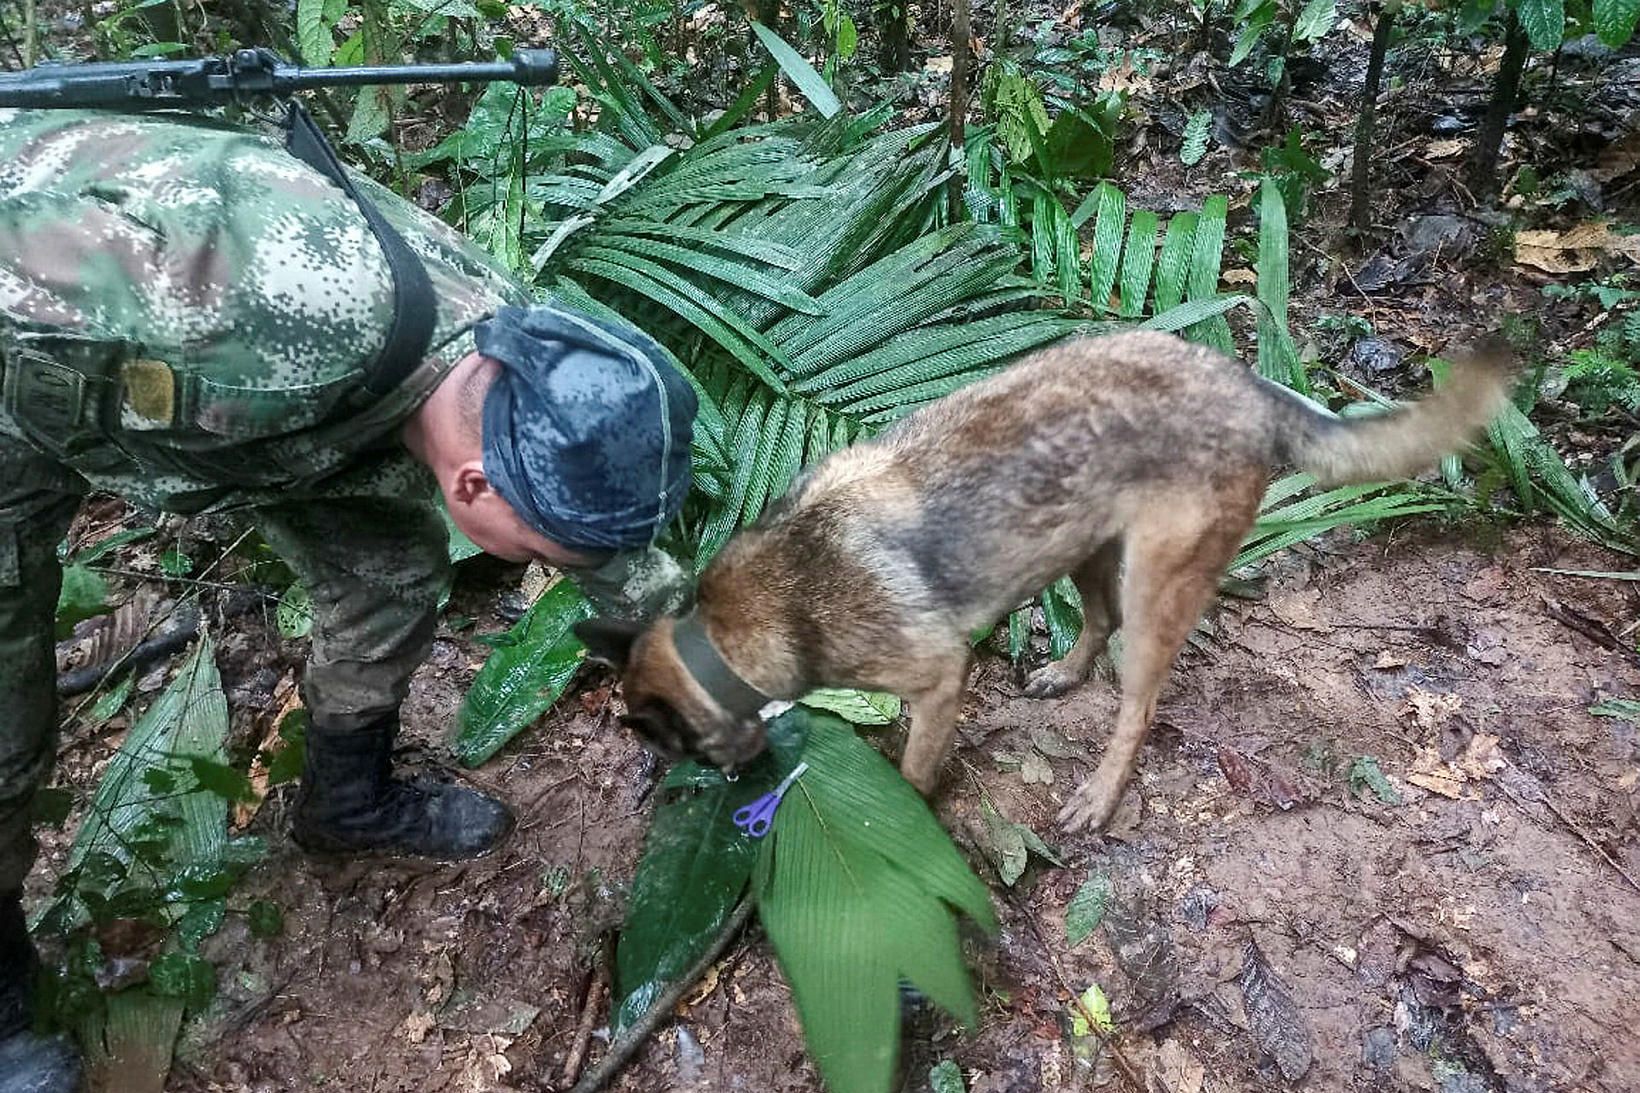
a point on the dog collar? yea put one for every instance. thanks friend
(710, 670)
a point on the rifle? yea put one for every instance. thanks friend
(246, 73)
(260, 72)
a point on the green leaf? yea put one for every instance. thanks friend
(102, 547)
(313, 37)
(265, 918)
(1107, 245)
(848, 38)
(174, 563)
(184, 976)
(694, 867)
(1092, 1013)
(1078, 147)
(1627, 709)
(1278, 360)
(202, 920)
(199, 881)
(112, 702)
(295, 612)
(1207, 251)
(370, 115)
(285, 765)
(524, 676)
(1614, 21)
(1250, 31)
(221, 779)
(801, 73)
(84, 594)
(1196, 132)
(859, 707)
(946, 1077)
(461, 547)
(1011, 844)
(856, 885)
(1316, 20)
(1087, 909)
(1545, 22)
(1062, 611)
(1365, 773)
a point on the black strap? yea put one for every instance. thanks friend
(415, 311)
(715, 676)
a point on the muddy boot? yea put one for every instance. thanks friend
(349, 804)
(29, 1063)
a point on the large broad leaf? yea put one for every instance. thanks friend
(811, 83)
(857, 887)
(532, 664)
(1544, 20)
(1614, 21)
(694, 868)
(1277, 358)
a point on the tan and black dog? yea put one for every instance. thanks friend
(1138, 453)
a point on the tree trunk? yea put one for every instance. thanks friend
(1361, 178)
(1483, 167)
(961, 33)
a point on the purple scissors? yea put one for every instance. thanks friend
(755, 818)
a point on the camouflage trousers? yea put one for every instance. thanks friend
(375, 569)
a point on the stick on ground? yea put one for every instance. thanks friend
(627, 1044)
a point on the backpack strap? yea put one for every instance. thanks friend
(415, 311)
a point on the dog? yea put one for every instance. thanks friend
(1134, 463)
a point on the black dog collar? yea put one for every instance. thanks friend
(715, 676)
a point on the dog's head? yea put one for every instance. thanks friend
(668, 709)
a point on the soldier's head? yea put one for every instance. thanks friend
(581, 432)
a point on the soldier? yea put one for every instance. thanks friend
(198, 321)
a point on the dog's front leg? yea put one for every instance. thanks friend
(933, 724)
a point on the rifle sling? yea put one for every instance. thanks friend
(414, 309)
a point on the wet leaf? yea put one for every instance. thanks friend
(1143, 946)
(202, 920)
(1010, 845)
(799, 71)
(1087, 909)
(112, 702)
(1626, 709)
(1195, 138)
(524, 676)
(860, 707)
(1273, 1018)
(184, 976)
(221, 779)
(84, 594)
(1035, 771)
(694, 867)
(294, 615)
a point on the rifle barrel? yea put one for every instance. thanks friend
(527, 67)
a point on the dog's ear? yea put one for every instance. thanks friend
(608, 641)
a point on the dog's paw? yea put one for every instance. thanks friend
(1051, 681)
(1090, 807)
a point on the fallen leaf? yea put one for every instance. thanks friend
(1177, 1071)
(1619, 157)
(417, 1026)
(1087, 909)
(1034, 770)
(1273, 1018)
(1387, 660)
(703, 991)
(941, 65)
(1240, 277)
(1444, 149)
(1429, 709)
(1056, 746)
(1574, 251)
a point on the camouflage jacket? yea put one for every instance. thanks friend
(186, 311)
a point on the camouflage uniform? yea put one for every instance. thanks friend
(186, 312)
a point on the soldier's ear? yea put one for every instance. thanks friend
(608, 641)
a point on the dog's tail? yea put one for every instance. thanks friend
(1408, 439)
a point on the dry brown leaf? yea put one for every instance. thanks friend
(1176, 1070)
(1429, 709)
(1387, 660)
(1620, 157)
(941, 65)
(1445, 149)
(288, 698)
(1574, 251)
(417, 1026)
(1123, 77)
(703, 991)
(1240, 277)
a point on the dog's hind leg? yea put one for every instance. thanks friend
(933, 725)
(1175, 556)
(1098, 583)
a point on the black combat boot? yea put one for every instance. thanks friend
(29, 1063)
(349, 803)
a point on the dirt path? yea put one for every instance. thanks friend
(1465, 939)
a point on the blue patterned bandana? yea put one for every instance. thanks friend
(586, 428)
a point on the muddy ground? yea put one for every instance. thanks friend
(1476, 935)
